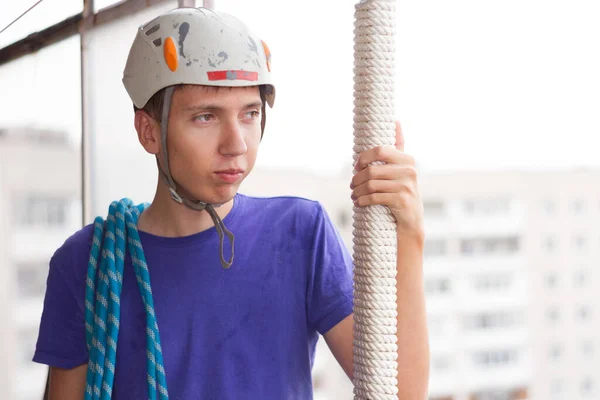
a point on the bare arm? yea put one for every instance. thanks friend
(67, 384)
(339, 340)
(413, 343)
(413, 337)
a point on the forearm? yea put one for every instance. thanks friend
(67, 384)
(413, 342)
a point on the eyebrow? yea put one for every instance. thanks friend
(214, 107)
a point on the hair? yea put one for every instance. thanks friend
(154, 106)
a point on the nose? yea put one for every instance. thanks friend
(233, 141)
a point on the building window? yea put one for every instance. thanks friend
(550, 207)
(344, 219)
(56, 212)
(578, 206)
(552, 314)
(434, 209)
(587, 348)
(495, 358)
(434, 247)
(579, 242)
(556, 387)
(555, 352)
(26, 345)
(441, 363)
(551, 280)
(587, 386)
(486, 206)
(495, 394)
(490, 246)
(38, 210)
(31, 279)
(581, 278)
(437, 324)
(492, 282)
(583, 313)
(492, 320)
(549, 244)
(438, 286)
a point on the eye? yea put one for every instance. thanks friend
(204, 117)
(253, 114)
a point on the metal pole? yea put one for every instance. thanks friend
(186, 3)
(86, 149)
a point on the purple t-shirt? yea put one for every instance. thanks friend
(248, 332)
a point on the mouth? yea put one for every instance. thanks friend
(230, 175)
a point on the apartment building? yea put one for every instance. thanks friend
(563, 245)
(39, 207)
(477, 289)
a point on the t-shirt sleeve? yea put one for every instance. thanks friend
(61, 340)
(329, 297)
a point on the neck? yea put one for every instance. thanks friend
(165, 217)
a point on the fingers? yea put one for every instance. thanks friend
(376, 186)
(375, 199)
(394, 179)
(382, 172)
(386, 154)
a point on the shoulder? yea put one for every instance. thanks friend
(285, 207)
(288, 217)
(73, 254)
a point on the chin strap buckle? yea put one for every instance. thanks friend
(175, 196)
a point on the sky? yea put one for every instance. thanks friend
(480, 85)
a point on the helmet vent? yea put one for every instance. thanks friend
(152, 30)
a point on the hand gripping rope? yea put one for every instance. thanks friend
(104, 282)
(375, 312)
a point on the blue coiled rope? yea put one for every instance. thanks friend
(102, 301)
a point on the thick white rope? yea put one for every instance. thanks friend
(375, 312)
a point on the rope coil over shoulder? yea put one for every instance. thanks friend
(112, 239)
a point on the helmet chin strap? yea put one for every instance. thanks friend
(196, 205)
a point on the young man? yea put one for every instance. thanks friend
(243, 330)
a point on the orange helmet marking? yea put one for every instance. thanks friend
(170, 52)
(267, 54)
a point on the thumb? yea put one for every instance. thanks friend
(399, 137)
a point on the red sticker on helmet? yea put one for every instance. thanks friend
(232, 75)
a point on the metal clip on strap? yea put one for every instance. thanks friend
(222, 231)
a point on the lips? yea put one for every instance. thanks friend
(230, 175)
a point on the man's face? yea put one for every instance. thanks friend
(213, 139)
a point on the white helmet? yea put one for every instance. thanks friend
(196, 46)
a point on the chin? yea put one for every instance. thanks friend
(215, 193)
(221, 195)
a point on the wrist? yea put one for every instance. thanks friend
(415, 236)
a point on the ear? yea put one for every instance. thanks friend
(148, 131)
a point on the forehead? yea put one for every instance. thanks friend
(188, 94)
